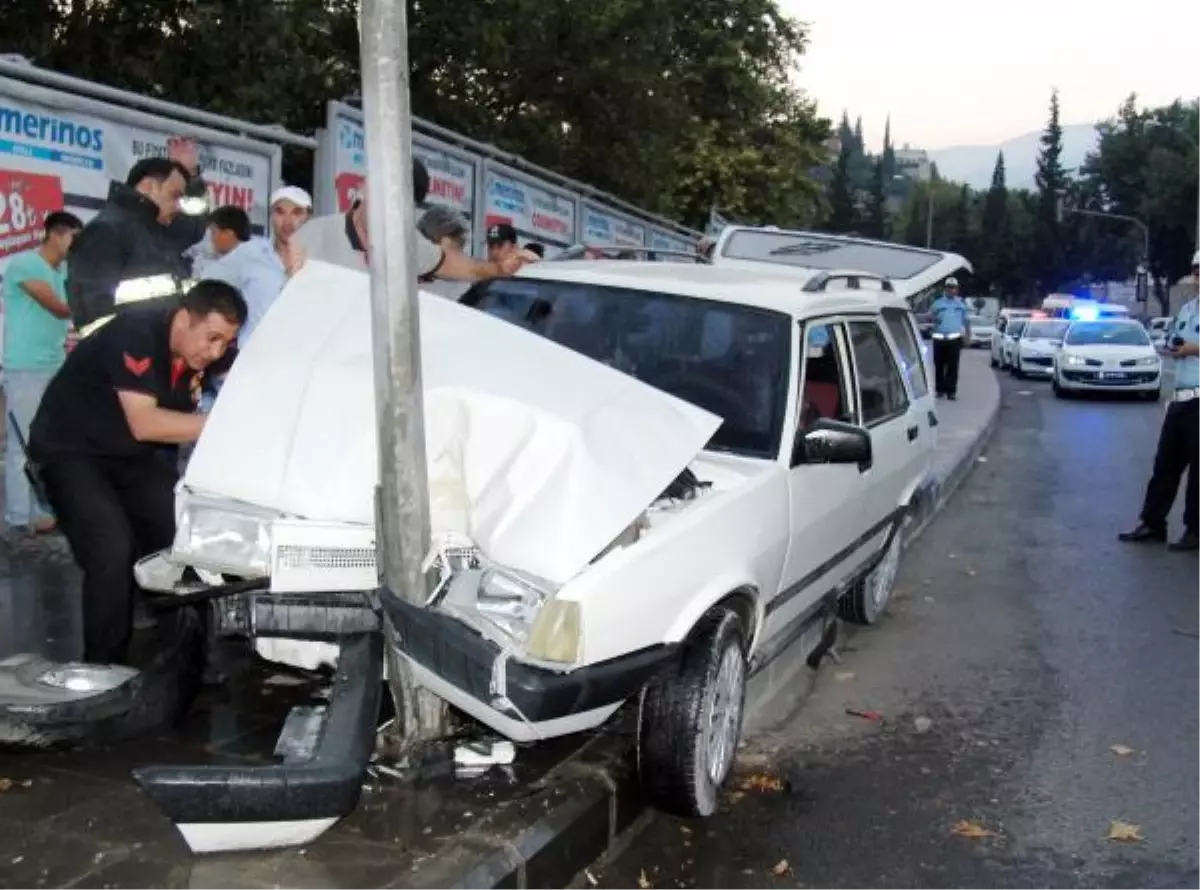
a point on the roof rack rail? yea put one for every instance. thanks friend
(583, 252)
(819, 282)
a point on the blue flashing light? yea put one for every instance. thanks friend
(1085, 313)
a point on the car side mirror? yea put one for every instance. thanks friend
(832, 442)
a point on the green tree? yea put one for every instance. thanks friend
(995, 238)
(842, 216)
(876, 222)
(687, 104)
(1051, 180)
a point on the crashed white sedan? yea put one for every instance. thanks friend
(646, 480)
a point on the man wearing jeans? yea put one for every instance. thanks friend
(37, 318)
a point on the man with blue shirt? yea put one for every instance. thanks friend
(951, 328)
(1179, 439)
(36, 321)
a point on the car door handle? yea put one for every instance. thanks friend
(913, 432)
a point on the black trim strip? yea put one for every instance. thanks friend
(327, 785)
(829, 564)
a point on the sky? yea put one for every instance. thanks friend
(966, 72)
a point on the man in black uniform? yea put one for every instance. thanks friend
(105, 438)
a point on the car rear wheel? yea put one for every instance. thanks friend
(867, 601)
(690, 719)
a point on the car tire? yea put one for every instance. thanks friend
(867, 600)
(995, 364)
(690, 719)
(1016, 372)
(1153, 395)
(1059, 392)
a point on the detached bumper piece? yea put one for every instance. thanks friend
(226, 808)
(465, 659)
(118, 703)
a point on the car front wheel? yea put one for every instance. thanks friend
(690, 719)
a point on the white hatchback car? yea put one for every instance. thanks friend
(1004, 344)
(647, 481)
(1107, 355)
(1033, 354)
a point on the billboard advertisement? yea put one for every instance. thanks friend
(53, 157)
(659, 239)
(603, 228)
(537, 211)
(451, 173)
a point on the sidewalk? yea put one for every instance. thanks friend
(82, 821)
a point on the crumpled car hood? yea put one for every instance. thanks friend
(540, 455)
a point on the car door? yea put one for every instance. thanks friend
(825, 500)
(886, 412)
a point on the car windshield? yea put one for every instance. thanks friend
(1107, 333)
(729, 359)
(1015, 327)
(813, 251)
(1045, 330)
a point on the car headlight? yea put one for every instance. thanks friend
(222, 539)
(1148, 361)
(509, 602)
(1074, 360)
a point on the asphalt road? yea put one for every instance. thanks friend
(1025, 644)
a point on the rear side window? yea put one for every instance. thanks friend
(901, 329)
(880, 386)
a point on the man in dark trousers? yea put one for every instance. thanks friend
(1179, 439)
(103, 438)
(951, 328)
(133, 248)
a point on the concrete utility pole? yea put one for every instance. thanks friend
(402, 499)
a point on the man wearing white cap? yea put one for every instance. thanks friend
(1179, 438)
(291, 207)
(951, 328)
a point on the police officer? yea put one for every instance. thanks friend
(951, 328)
(1179, 438)
(103, 438)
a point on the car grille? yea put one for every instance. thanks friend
(1044, 360)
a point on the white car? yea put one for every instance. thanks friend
(1004, 344)
(647, 481)
(1035, 349)
(1158, 329)
(982, 332)
(1107, 355)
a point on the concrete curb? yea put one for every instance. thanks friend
(546, 838)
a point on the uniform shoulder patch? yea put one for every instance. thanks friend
(136, 366)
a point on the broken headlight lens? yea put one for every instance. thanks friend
(509, 602)
(87, 677)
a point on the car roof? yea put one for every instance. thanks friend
(762, 290)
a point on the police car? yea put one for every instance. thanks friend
(648, 481)
(1107, 355)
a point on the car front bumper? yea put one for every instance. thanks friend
(1100, 381)
(1037, 365)
(521, 701)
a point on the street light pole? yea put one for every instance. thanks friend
(1145, 239)
(402, 498)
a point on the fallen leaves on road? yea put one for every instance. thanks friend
(643, 881)
(781, 868)
(6, 784)
(591, 878)
(1122, 750)
(762, 782)
(971, 829)
(844, 675)
(1124, 831)
(951, 556)
(736, 796)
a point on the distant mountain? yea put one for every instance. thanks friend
(973, 164)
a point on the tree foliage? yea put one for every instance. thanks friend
(676, 106)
